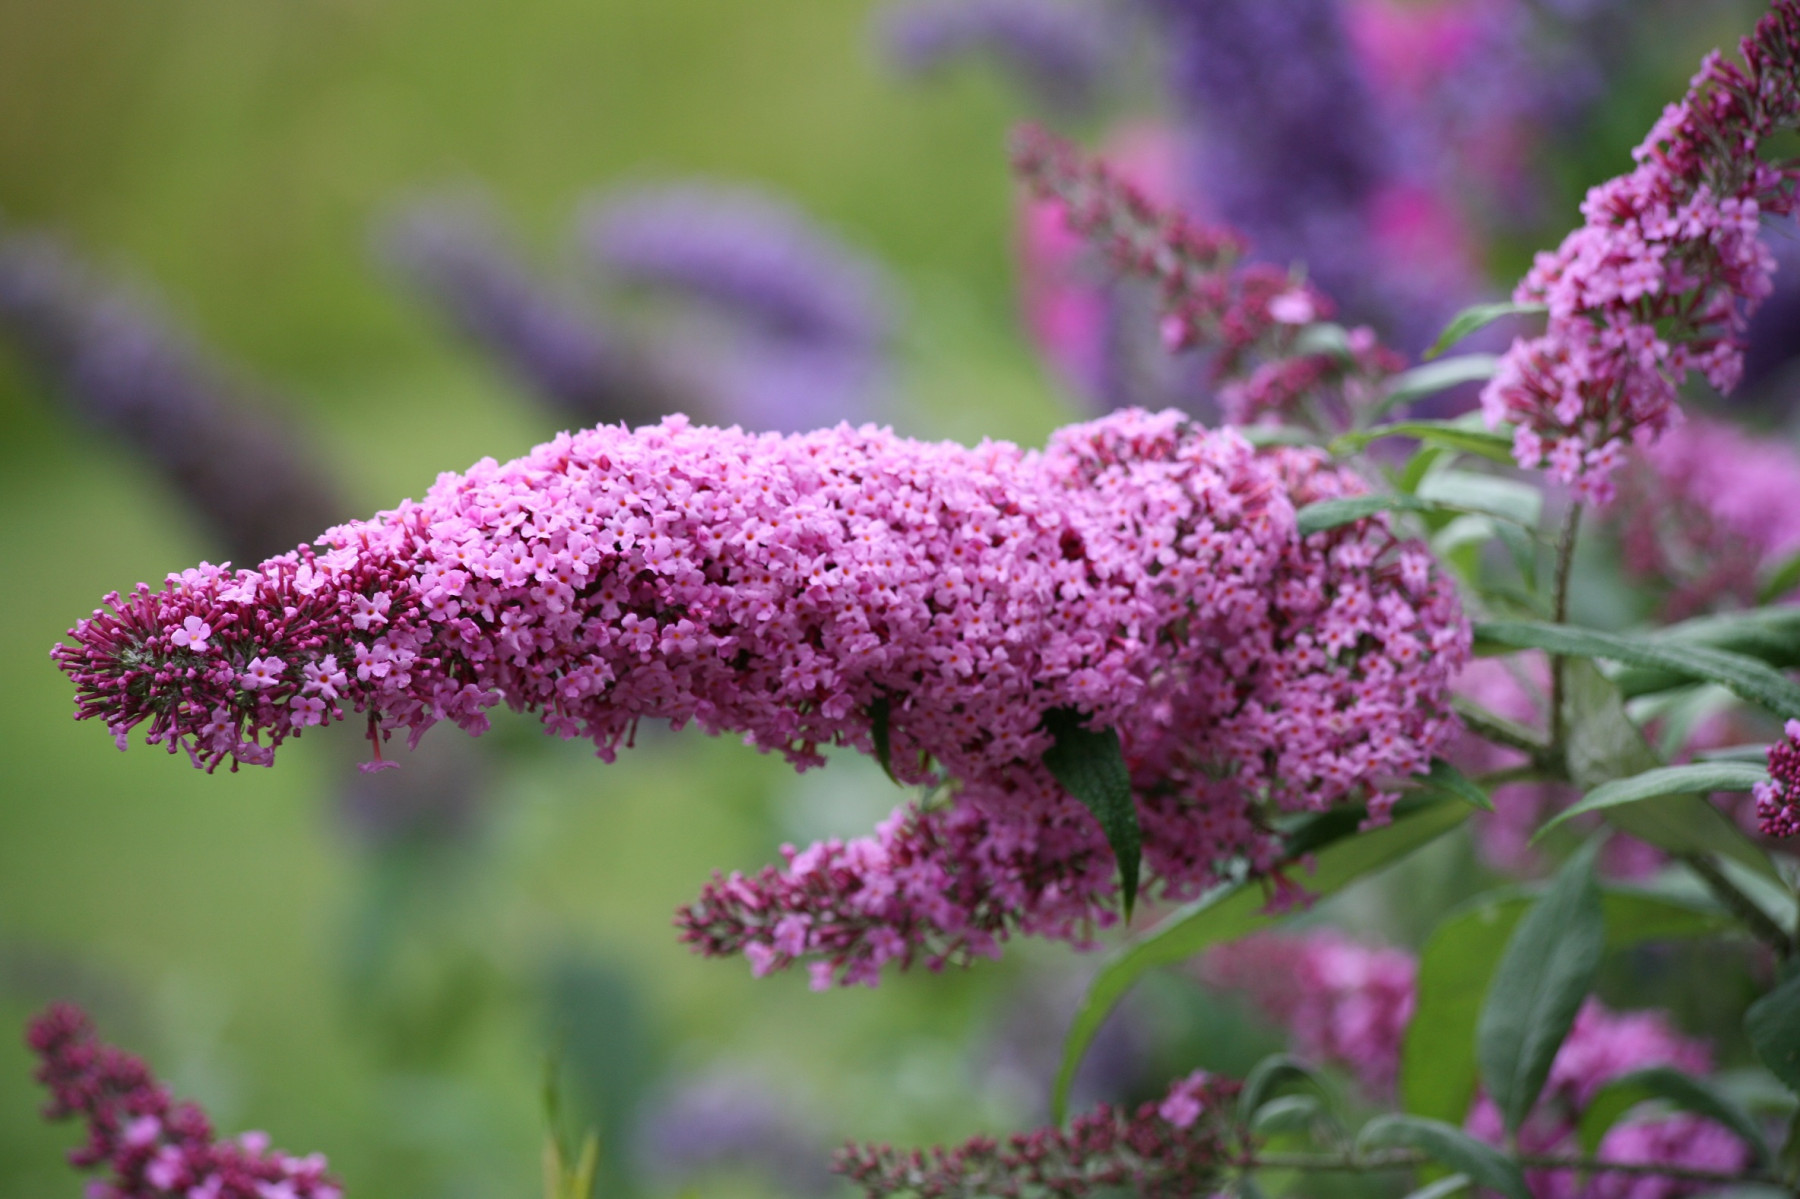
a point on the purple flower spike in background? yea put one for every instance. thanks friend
(759, 258)
(456, 258)
(1059, 51)
(109, 359)
(732, 1121)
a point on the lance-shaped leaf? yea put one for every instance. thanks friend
(1547, 970)
(1456, 435)
(1773, 1023)
(1770, 635)
(1684, 1091)
(1329, 514)
(1437, 1058)
(1743, 676)
(1268, 1076)
(880, 732)
(1232, 910)
(1478, 316)
(1433, 377)
(1700, 778)
(1450, 781)
(1090, 764)
(1783, 579)
(1449, 1145)
(1461, 490)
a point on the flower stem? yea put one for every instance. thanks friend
(1565, 559)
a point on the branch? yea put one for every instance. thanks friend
(1406, 1159)
(1747, 910)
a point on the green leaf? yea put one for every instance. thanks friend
(1269, 1075)
(1433, 377)
(1233, 910)
(1604, 745)
(880, 714)
(1450, 781)
(1437, 1059)
(1491, 444)
(1477, 317)
(1702, 778)
(1090, 765)
(1324, 337)
(1745, 677)
(1781, 580)
(1545, 973)
(1518, 502)
(1686, 1092)
(1771, 635)
(1773, 1023)
(1329, 514)
(1448, 1144)
(1261, 436)
(1443, 1187)
(1290, 1113)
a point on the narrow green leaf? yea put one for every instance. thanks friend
(1701, 778)
(1443, 1187)
(1518, 502)
(1450, 1145)
(1433, 377)
(1459, 434)
(1437, 1058)
(1770, 635)
(1744, 676)
(1545, 973)
(1773, 1023)
(1448, 779)
(1781, 580)
(1479, 316)
(1329, 514)
(1604, 745)
(880, 714)
(1325, 337)
(1261, 436)
(1233, 910)
(1686, 1092)
(1268, 1076)
(1418, 466)
(1090, 764)
(1290, 1113)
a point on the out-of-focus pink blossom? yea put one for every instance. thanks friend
(149, 1146)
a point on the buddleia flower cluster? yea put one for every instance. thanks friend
(1141, 573)
(1661, 279)
(1177, 1147)
(148, 1145)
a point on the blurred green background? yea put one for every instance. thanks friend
(393, 1008)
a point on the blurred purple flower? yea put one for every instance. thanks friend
(761, 260)
(1059, 51)
(115, 365)
(456, 257)
(1024, 1048)
(732, 1120)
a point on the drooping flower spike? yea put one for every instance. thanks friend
(150, 1146)
(1141, 571)
(1250, 316)
(1662, 278)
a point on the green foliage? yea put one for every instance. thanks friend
(1458, 963)
(1547, 970)
(1773, 1024)
(1449, 1145)
(1700, 778)
(1090, 764)
(1329, 514)
(1234, 910)
(1433, 377)
(1447, 779)
(1770, 635)
(1459, 435)
(1744, 676)
(1478, 316)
